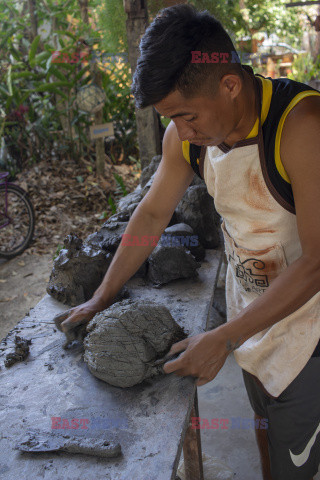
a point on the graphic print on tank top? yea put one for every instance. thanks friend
(254, 269)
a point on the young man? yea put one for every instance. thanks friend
(259, 157)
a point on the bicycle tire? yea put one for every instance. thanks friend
(27, 238)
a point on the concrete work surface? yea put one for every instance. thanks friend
(149, 420)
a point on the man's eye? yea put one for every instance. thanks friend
(190, 119)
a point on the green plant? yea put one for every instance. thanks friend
(112, 204)
(58, 250)
(136, 162)
(103, 215)
(120, 184)
(38, 90)
(119, 108)
(304, 68)
(165, 121)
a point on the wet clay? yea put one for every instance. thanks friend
(196, 208)
(125, 341)
(77, 272)
(20, 353)
(75, 334)
(171, 263)
(185, 236)
(38, 442)
(149, 170)
(81, 265)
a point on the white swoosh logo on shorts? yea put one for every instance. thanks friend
(299, 460)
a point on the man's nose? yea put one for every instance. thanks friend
(185, 132)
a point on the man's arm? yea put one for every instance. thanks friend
(150, 218)
(152, 215)
(299, 149)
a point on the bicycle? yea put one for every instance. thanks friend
(17, 218)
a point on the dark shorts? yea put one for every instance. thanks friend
(293, 423)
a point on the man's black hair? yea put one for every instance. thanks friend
(165, 58)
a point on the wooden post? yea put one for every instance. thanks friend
(98, 119)
(33, 19)
(192, 452)
(146, 118)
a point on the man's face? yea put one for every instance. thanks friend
(203, 120)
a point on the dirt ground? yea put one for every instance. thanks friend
(68, 199)
(23, 283)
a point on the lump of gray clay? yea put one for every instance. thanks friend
(149, 170)
(21, 351)
(182, 234)
(78, 271)
(109, 236)
(196, 208)
(170, 263)
(133, 197)
(125, 340)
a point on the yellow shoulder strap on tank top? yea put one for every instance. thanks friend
(292, 104)
(266, 99)
(186, 150)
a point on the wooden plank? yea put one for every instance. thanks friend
(192, 452)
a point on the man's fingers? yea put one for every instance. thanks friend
(202, 381)
(178, 347)
(72, 322)
(58, 319)
(174, 365)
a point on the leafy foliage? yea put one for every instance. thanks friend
(305, 68)
(39, 116)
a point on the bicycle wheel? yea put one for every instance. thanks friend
(17, 226)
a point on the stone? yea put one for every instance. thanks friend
(171, 263)
(149, 170)
(197, 181)
(127, 200)
(196, 208)
(147, 186)
(125, 342)
(184, 237)
(77, 272)
(108, 237)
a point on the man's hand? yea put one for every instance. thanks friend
(79, 315)
(203, 356)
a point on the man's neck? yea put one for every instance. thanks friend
(248, 111)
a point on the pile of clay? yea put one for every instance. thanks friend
(195, 225)
(125, 342)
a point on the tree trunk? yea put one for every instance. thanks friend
(146, 119)
(83, 4)
(33, 19)
(317, 43)
(98, 117)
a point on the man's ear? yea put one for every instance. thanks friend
(230, 85)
